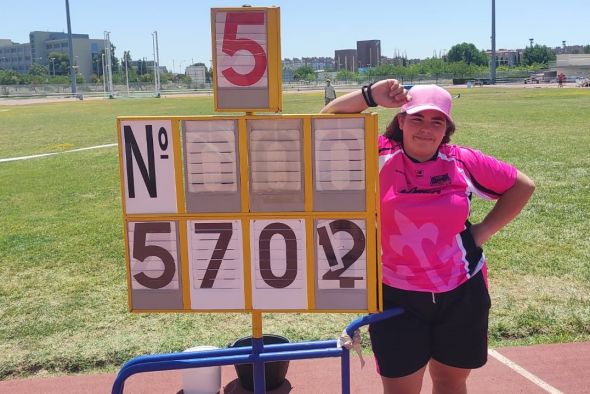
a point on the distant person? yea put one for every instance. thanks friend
(433, 265)
(560, 79)
(329, 92)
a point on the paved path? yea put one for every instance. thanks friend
(560, 368)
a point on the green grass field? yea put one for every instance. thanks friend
(63, 294)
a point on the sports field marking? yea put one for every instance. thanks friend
(55, 153)
(521, 371)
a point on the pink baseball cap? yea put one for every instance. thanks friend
(423, 97)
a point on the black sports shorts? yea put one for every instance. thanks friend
(450, 327)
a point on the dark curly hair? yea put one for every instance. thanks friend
(394, 133)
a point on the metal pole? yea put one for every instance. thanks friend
(104, 82)
(108, 62)
(493, 60)
(71, 51)
(154, 57)
(105, 70)
(157, 65)
(126, 55)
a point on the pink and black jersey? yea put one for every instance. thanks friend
(425, 233)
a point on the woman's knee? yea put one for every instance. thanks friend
(448, 379)
(410, 384)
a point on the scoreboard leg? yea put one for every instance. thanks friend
(257, 349)
(259, 378)
(345, 370)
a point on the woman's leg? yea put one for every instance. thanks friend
(447, 379)
(410, 384)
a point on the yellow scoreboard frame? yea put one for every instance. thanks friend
(268, 213)
(246, 59)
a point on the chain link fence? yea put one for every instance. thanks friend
(147, 89)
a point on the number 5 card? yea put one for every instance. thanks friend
(246, 59)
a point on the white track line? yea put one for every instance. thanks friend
(520, 370)
(54, 153)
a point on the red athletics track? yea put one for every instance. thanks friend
(559, 368)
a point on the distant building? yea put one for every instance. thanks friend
(569, 49)
(20, 57)
(143, 66)
(288, 74)
(15, 56)
(507, 57)
(369, 53)
(573, 65)
(316, 63)
(346, 59)
(197, 74)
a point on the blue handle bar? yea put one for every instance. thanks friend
(373, 318)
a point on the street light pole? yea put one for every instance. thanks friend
(156, 64)
(52, 59)
(493, 60)
(71, 50)
(104, 82)
(126, 56)
(107, 43)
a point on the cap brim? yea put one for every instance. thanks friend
(425, 107)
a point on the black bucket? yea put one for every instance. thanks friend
(274, 372)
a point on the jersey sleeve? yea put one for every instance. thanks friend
(489, 177)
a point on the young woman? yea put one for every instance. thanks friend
(433, 262)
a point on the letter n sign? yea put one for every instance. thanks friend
(148, 166)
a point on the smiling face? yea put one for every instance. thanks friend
(422, 133)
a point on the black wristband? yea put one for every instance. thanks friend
(364, 92)
(368, 96)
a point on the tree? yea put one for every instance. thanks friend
(345, 75)
(434, 66)
(467, 53)
(464, 70)
(9, 77)
(142, 67)
(97, 64)
(304, 73)
(61, 63)
(38, 70)
(114, 60)
(586, 48)
(539, 54)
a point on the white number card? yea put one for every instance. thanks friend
(279, 259)
(216, 264)
(148, 166)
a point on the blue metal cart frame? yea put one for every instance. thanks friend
(257, 354)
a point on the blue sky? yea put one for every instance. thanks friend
(308, 28)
